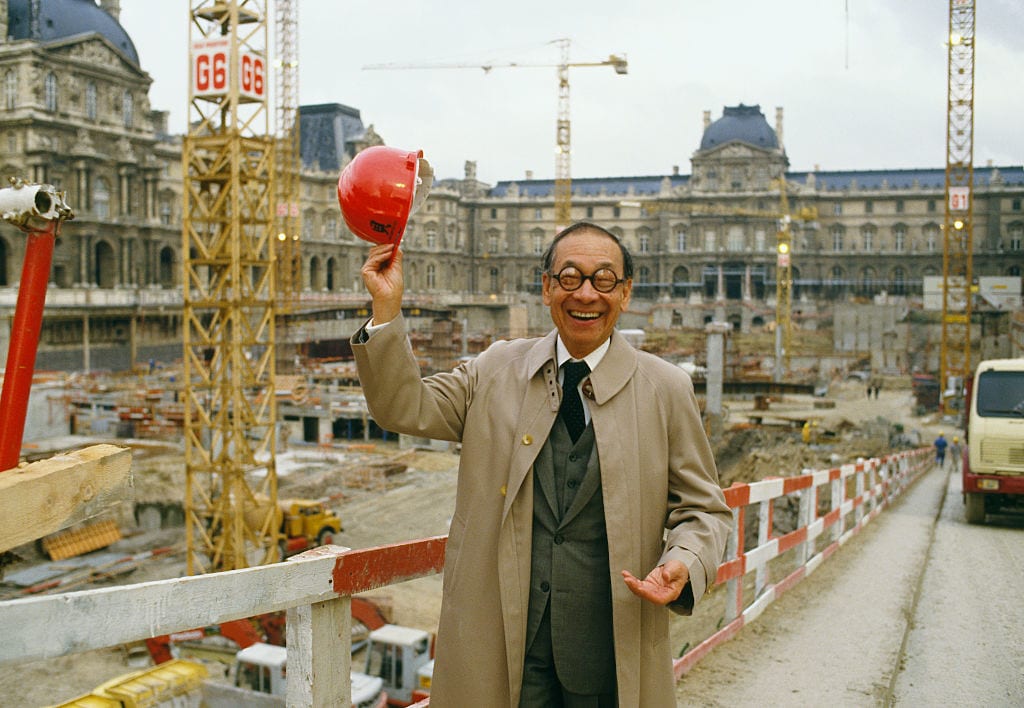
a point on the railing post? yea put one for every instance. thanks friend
(733, 549)
(764, 529)
(320, 654)
(836, 502)
(805, 515)
(859, 475)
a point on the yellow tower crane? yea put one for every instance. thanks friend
(229, 291)
(955, 353)
(563, 131)
(287, 160)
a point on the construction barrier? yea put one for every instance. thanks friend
(316, 587)
(855, 494)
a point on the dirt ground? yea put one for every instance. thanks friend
(378, 508)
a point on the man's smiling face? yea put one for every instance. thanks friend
(585, 317)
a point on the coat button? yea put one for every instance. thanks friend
(527, 440)
(558, 539)
(544, 586)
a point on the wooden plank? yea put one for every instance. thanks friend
(94, 619)
(49, 495)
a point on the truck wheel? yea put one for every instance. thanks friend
(325, 537)
(975, 508)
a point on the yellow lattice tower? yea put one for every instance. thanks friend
(229, 289)
(287, 160)
(955, 353)
(783, 285)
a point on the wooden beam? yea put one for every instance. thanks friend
(53, 494)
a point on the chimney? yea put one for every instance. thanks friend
(707, 119)
(778, 125)
(675, 170)
(529, 175)
(112, 7)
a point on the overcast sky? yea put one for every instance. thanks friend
(862, 82)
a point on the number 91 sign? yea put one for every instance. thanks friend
(211, 76)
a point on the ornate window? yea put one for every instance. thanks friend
(645, 243)
(101, 198)
(899, 237)
(11, 90)
(736, 240)
(128, 109)
(431, 237)
(868, 237)
(90, 100)
(931, 238)
(538, 244)
(431, 276)
(492, 243)
(50, 92)
(837, 238)
(681, 239)
(1016, 234)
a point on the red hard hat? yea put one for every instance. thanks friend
(380, 188)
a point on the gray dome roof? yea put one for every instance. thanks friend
(67, 18)
(745, 124)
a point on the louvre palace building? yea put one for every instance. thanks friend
(75, 113)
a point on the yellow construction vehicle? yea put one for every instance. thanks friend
(305, 523)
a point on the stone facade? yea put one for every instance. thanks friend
(75, 113)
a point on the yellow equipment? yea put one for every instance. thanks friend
(957, 285)
(229, 289)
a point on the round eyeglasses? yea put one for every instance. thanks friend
(604, 280)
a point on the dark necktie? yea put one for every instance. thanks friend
(572, 405)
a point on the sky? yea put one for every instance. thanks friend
(862, 82)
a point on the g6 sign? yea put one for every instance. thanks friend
(211, 75)
(252, 79)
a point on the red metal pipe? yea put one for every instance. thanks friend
(25, 329)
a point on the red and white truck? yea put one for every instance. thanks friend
(993, 462)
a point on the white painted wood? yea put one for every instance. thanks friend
(93, 619)
(319, 654)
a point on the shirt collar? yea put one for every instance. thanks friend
(593, 358)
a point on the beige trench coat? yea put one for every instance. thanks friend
(657, 472)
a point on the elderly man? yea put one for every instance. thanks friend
(587, 496)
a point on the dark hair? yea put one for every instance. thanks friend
(627, 258)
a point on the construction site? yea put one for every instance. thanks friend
(180, 397)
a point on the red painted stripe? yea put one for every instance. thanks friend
(736, 568)
(737, 495)
(793, 484)
(830, 518)
(683, 664)
(372, 568)
(790, 580)
(792, 539)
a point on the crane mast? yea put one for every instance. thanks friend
(228, 291)
(287, 160)
(563, 127)
(563, 144)
(783, 285)
(955, 354)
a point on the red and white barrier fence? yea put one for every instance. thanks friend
(316, 587)
(856, 493)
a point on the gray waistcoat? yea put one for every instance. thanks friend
(569, 562)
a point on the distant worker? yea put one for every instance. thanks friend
(940, 449)
(955, 453)
(587, 500)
